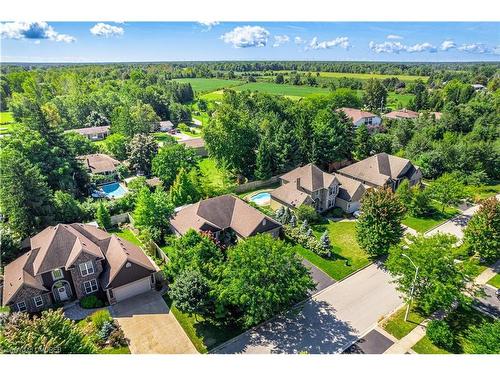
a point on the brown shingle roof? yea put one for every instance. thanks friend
(311, 177)
(356, 114)
(289, 194)
(378, 169)
(226, 211)
(99, 163)
(59, 246)
(193, 142)
(350, 190)
(401, 113)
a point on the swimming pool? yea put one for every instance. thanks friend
(114, 190)
(262, 199)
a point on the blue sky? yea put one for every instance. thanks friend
(170, 41)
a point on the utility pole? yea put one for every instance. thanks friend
(412, 287)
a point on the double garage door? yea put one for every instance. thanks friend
(137, 287)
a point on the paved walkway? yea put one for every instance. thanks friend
(406, 343)
(150, 326)
(329, 322)
(76, 312)
(488, 273)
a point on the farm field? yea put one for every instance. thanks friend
(365, 76)
(203, 85)
(7, 123)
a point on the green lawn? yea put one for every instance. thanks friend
(366, 76)
(162, 137)
(495, 281)
(126, 234)
(214, 175)
(396, 100)
(7, 123)
(203, 334)
(195, 134)
(423, 224)
(203, 85)
(397, 326)
(460, 321)
(425, 346)
(286, 90)
(484, 191)
(111, 350)
(348, 256)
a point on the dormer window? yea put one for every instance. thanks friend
(57, 274)
(86, 268)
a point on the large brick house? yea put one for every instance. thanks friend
(311, 186)
(69, 261)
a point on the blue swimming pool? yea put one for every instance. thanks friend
(114, 190)
(262, 199)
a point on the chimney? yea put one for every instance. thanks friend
(298, 183)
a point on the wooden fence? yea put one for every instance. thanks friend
(243, 188)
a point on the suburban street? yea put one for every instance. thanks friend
(329, 322)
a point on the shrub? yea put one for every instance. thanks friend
(305, 212)
(99, 318)
(183, 127)
(91, 302)
(117, 338)
(305, 238)
(105, 331)
(440, 334)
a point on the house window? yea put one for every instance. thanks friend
(38, 301)
(90, 286)
(57, 274)
(369, 120)
(110, 292)
(21, 306)
(87, 268)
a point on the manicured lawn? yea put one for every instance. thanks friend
(203, 85)
(396, 100)
(111, 350)
(213, 96)
(162, 137)
(425, 346)
(460, 322)
(348, 256)
(203, 334)
(214, 175)
(485, 191)
(423, 224)
(196, 134)
(397, 326)
(495, 281)
(126, 234)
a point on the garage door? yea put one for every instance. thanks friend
(132, 289)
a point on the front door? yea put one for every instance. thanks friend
(63, 295)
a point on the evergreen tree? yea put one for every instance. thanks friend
(375, 94)
(184, 189)
(142, 149)
(325, 240)
(362, 142)
(103, 217)
(263, 164)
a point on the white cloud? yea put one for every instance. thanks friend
(397, 47)
(387, 47)
(280, 39)
(474, 48)
(246, 36)
(105, 30)
(32, 30)
(341, 41)
(422, 47)
(298, 40)
(394, 36)
(447, 45)
(208, 24)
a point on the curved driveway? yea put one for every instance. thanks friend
(327, 323)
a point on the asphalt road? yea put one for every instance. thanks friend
(327, 323)
(489, 302)
(321, 279)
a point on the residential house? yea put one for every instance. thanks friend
(100, 164)
(359, 117)
(94, 133)
(226, 214)
(165, 126)
(383, 170)
(436, 115)
(401, 114)
(311, 186)
(70, 261)
(197, 144)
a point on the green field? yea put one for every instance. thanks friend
(7, 123)
(286, 90)
(203, 85)
(397, 101)
(348, 256)
(365, 76)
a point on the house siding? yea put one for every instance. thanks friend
(27, 294)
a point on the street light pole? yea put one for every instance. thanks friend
(412, 287)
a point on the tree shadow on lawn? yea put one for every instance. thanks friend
(309, 328)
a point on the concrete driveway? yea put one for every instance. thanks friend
(329, 322)
(489, 301)
(150, 326)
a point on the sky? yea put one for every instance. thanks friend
(196, 41)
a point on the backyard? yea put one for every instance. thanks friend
(126, 234)
(347, 255)
(214, 176)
